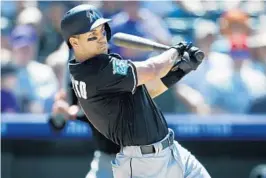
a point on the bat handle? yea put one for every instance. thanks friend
(160, 47)
(199, 55)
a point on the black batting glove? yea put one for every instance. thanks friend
(191, 59)
(188, 61)
(180, 47)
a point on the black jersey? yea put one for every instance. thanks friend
(100, 142)
(106, 87)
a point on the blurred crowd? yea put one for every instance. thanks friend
(231, 79)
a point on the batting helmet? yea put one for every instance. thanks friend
(82, 19)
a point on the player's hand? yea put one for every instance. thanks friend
(180, 47)
(62, 108)
(189, 60)
(61, 112)
(59, 115)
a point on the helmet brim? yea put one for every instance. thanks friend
(99, 22)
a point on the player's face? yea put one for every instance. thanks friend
(93, 43)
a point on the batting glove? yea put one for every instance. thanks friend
(189, 61)
(180, 47)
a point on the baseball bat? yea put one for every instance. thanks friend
(140, 43)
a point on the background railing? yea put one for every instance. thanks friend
(220, 127)
(228, 145)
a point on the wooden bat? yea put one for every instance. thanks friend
(136, 42)
(140, 43)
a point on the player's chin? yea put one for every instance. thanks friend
(103, 48)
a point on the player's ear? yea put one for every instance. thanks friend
(73, 41)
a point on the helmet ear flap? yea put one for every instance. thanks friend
(108, 31)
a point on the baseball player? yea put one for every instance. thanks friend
(116, 96)
(65, 107)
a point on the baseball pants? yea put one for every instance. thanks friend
(171, 162)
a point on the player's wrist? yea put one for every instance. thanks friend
(173, 77)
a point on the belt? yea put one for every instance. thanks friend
(148, 149)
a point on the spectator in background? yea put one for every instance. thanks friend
(33, 16)
(189, 89)
(36, 81)
(141, 22)
(8, 81)
(180, 22)
(30, 16)
(11, 9)
(233, 24)
(205, 33)
(57, 61)
(232, 90)
(51, 38)
(160, 8)
(110, 8)
(6, 27)
(257, 43)
(183, 9)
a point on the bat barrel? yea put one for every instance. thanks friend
(132, 44)
(136, 42)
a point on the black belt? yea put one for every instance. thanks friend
(148, 149)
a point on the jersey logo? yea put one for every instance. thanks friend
(120, 66)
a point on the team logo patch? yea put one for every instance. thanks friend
(120, 67)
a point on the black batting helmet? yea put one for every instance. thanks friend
(81, 19)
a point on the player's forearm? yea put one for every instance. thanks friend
(158, 86)
(187, 64)
(155, 67)
(164, 62)
(75, 112)
(155, 87)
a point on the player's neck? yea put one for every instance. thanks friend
(81, 57)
